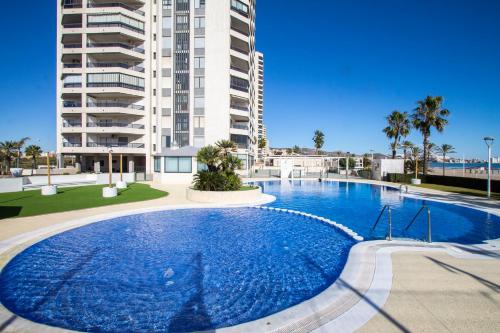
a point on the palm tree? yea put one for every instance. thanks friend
(296, 149)
(415, 153)
(444, 150)
(406, 145)
(34, 151)
(8, 149)
(19, 146)
(398, 126)
(226, 146)
(262, 143)
(209, 155)
(429, 114)
(319, 140)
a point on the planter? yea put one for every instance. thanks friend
(121, 184)
(16, 172)
(416, 181)
(49, 190)
(109, 192)
(225, 197)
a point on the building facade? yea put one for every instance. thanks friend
(154, 81)
(259, 88)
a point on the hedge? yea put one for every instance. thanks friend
(472, 183)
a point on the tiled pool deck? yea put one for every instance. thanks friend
(385, 286)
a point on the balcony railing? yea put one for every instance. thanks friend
(239, 84)
(114, 24)
(122, 45)
(71, 144)
(113, 85)
(114, 105)
(72, 85)
(241, 31)
(73, 46)
(72, 123)
(72, 65)
(114, 145)
(237, 49)
(72, 104)
(239, 126)
(116, 124)
(239, 69)
(115, 64)
(72, 25)
(115, 4)
(241, 108)
(72, 4)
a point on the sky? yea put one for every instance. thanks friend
(337, 66)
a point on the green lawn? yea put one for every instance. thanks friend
(29, 203)
(247, 187)
(460, 190)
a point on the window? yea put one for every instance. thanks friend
(167, 4)
(182, 5)
(154, 110)
(199, 22)
(178, 164)
(239, 7)
(165, 141)
(199, 141)
(182, 22)
(182, 122)
(154, 129)
(199, 62)
(199, 102)
(199, 3)
(199, 82)
(199, 42)
(167, 22)
(182, 41)
(167, 42)
(182, 81)
(199, 122)
(182, 61)
(157, 164)
(201, 167)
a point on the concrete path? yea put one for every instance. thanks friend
(434, 292)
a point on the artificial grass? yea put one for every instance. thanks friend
(247, 188)
(460, 190)
(30, 203)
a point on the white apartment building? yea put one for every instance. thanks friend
(154, 81)
(259, 88)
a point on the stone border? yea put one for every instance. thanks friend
(236, 197)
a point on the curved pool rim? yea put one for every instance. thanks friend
(360, 255)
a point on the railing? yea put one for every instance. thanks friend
(122, 45)
(115, 64)
(113, 85)
(243, 32)
(239, 70)
(73, 46)
(115, 124)
(72, 4)
(114, 145)
(72, 124)
(389, 212)
(72, 25)
(72, 85)
(72, 65)
(114, 24)
(429, 227)
(69, 144)
(114, 105)
(237, 49)
(239, 126)
(115, 4)
(71, 104)
(241, 108)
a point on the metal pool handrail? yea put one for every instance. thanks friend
(429, 227)
(389, 211)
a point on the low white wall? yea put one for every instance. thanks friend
(59, 179)
(11, 185)
(103, 178)
(227, 197)
(381, 167)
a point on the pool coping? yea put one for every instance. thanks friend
(346, 305)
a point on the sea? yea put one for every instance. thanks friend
(467, 165)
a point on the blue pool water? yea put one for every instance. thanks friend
(174, 271)
(357, 206)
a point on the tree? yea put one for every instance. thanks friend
(398, 126)
(406, 145)
(444, 150)
(9, 152)
(296, 149)
(226, 146)
(262, 143)
(415, 153)
(429, 114)
(33, 151)
(19, 146)
(319, 140)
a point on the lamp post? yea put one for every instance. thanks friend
(110, 167)
(489, 142)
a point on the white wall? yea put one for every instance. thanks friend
(381, 167)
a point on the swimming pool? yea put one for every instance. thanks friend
(175, 271)
(357, 206)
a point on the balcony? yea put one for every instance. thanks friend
(115, 124)
(239, 84)
(72, 104)
(114, 145)
(239, 107)
(240, 126)
(113, 85)
(115, 24)
(239, 70)
(74, 65)
(116, 64)
(72, 85)
(115, 105)
(120, 45)
(72, 123)
(72, 144)
(115, 5)
(72, 25)
(73, 46)
(72, 4)
(239, 7)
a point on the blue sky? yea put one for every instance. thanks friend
(338, 66)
